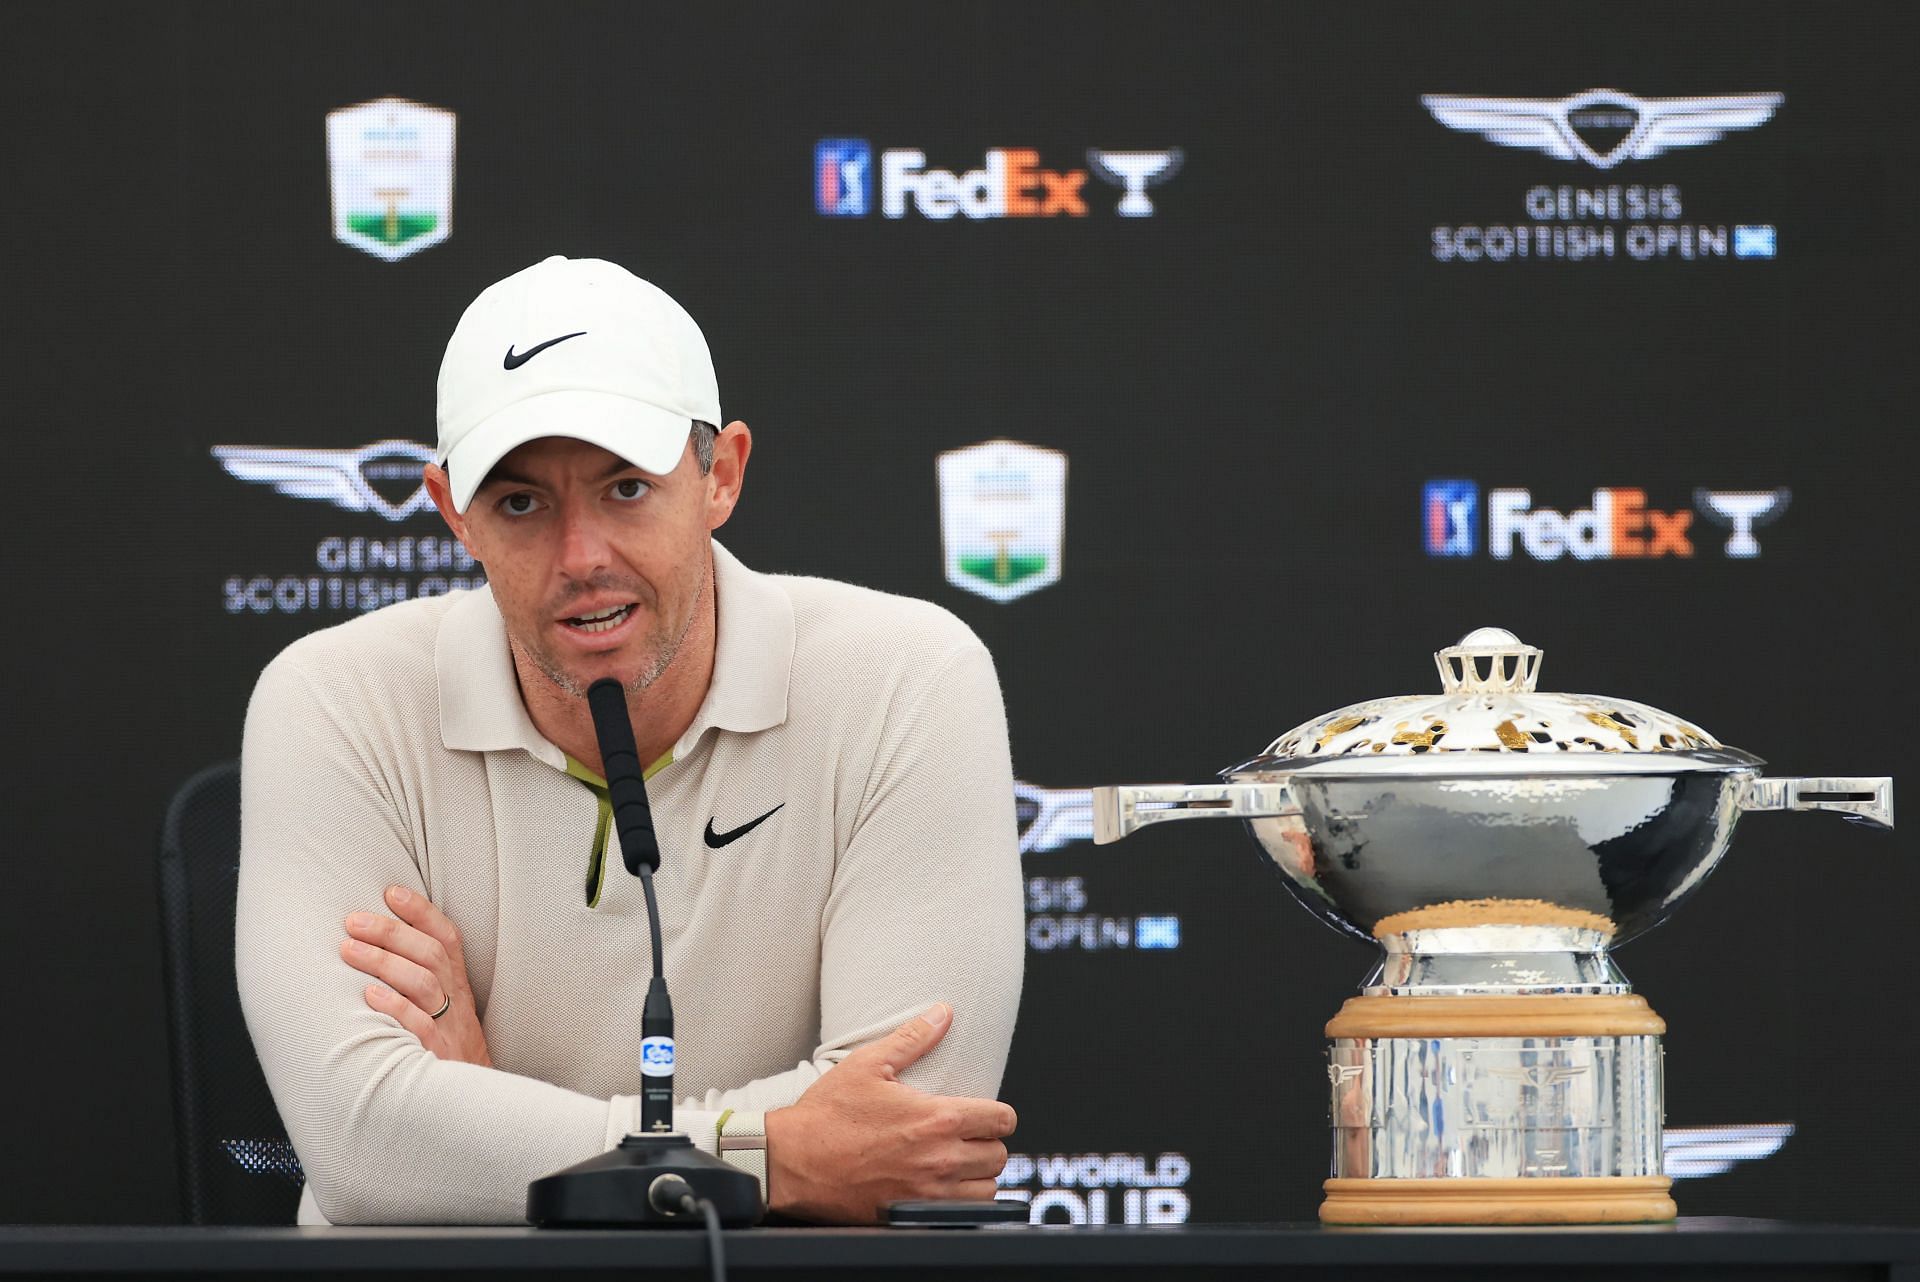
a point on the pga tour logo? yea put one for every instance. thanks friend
(1618, 523)
(1009, 183)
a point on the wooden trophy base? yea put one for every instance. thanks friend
(1626, 1015)
(1619, 1199)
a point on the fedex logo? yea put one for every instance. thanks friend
(1011, 184)
(1618, 525)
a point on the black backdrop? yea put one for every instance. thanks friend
(1252, 387)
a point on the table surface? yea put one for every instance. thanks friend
(1720, 1242)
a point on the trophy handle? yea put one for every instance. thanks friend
(1121, 810)
(1861, 801)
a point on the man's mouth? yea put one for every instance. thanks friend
(602, 621)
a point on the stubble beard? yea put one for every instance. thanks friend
(664, 652)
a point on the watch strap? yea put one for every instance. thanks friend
(741, 1139)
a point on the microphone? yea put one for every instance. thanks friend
(640, 850)
(626, 789)
(655, 1175)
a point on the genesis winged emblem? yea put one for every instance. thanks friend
(1696, 1151)
(1052, 817)
(343, 478)
(1646, 127)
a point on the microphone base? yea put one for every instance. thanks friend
(609, 1190)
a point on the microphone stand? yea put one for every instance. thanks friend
(655, 1176)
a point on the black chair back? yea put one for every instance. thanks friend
(236, 1164)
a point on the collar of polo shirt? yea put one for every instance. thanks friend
(480, 705)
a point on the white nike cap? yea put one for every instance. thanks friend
(572, 347)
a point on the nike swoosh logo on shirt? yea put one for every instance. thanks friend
(511, 361)
(715, 840)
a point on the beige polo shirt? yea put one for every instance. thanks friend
(396, 749)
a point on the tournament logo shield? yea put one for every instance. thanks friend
(391, 162)
(1003, 508)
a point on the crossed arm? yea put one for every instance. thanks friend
(857, 1139)
(398, 1117)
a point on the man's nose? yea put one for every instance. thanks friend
(584, 548)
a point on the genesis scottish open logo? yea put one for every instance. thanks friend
(352, 572)
(1603, 129)
(390, 163)
(1618, 523)
(1009, 182)
(1003, 514)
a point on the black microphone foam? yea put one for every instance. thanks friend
(626, 790)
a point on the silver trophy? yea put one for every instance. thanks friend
(1496, 843)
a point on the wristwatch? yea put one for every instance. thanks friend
(741, 1138)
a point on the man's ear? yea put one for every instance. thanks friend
(730, 451)
(442, 493)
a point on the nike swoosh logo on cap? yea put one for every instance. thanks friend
(715, 840)
(511, 361)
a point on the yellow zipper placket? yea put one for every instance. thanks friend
(603, 823)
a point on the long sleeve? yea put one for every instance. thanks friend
(387, 1132)
(926, 903)
(926, 900)
(889, 882)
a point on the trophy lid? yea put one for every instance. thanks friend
(1491, 705)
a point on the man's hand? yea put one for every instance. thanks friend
(860, 1138)
(421, 968)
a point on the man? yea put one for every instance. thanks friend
(440, 956)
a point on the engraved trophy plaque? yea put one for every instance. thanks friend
(1497, 843)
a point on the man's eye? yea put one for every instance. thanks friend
(519, 504)
(630, 488)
